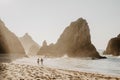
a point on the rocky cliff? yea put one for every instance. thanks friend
(30, 46)
(9, 43)
(48, 50)
(75, 41)
(113, 47)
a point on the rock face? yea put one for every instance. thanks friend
(30, 46)
(33, 50)
(48, 50)
(75, 41)
(9, 43)
(113, 47)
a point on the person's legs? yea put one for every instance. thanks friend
(38, 61)
(41, 61)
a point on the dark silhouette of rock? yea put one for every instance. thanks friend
(9, 43)
(75, 41)
(30, 46)
(118, 36)
(113, 47)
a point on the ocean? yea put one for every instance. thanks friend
(110, 66)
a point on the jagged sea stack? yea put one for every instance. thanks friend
(9, 43)
(75, 41)
(113, 47)
(30, 46)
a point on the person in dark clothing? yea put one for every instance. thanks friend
(41, 61)
(38, 61)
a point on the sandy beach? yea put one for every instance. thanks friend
(12, 71)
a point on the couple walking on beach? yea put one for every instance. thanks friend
(40, 60)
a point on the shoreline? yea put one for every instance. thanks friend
(13, 71)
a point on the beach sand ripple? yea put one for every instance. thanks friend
(12, 71)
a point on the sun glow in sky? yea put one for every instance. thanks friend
(46, 19)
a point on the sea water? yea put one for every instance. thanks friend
(111, 65)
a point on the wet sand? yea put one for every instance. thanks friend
(12, 71)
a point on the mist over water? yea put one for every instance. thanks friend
(8, 57)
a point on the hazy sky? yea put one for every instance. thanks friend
(46, 19)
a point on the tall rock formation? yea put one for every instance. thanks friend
(113, 47)
(30, 46)
(75, 41)
(44, 43)
(48, 50)
(9, 43)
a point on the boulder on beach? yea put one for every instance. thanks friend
(75, 41)
(113, 47)
(30, 46)
(9, 42)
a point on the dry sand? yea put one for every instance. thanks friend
(12, 71)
